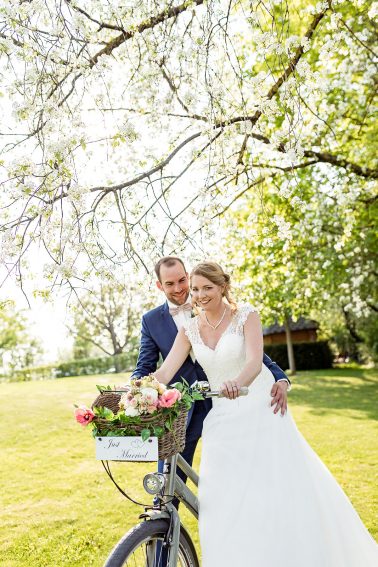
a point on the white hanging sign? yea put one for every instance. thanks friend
(126, 449)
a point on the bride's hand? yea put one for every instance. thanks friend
(230, 390)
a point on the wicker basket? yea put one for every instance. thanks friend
(170, 443)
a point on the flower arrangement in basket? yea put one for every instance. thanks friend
(144, 408)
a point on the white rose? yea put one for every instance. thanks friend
(149, 393)
(125, 400)
(131, 412)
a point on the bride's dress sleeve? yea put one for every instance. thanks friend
(191, 331)
(241, 317)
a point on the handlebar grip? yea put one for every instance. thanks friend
(244, 391)
(203, 387)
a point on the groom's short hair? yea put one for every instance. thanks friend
(167, 261)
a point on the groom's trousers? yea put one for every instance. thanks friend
(193, 434)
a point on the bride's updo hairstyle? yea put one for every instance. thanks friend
(215, 273)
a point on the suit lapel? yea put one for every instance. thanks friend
(167, 321)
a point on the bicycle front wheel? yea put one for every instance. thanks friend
(142, 547)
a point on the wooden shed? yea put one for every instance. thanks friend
(302, 331)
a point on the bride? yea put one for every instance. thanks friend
(249, 453)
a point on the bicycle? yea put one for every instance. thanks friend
(161, 532)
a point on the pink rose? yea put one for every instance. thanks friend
(169, 397)
(84, 415)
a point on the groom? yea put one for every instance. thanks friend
(159, 329)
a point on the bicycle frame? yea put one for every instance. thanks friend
(175, 486)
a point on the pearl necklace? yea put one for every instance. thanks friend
(219, 322)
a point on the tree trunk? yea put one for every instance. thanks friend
(356, 339)
(117, 364)
(290, 350)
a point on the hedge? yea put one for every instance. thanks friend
(102, 365)
(308, 356)
(35, 373)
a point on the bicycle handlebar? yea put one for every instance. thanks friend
(203, 388)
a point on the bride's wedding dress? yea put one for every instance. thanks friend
(266, 499)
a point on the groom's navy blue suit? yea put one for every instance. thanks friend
(157, 337)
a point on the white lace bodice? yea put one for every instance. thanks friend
(227, 359)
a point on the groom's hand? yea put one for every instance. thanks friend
(279, 396)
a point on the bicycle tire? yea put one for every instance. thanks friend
(149, 531)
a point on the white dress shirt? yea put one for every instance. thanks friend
(180, 319)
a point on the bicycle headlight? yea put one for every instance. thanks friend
(153, 483)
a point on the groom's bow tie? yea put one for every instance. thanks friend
(176, 310)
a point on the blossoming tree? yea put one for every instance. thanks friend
(133, 128)
(317, 259)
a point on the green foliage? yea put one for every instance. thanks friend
(104, 413)
(82, 347)
(45, 372)
(145, 434)
(302, 236)
(158, 431)
(308, 356)
(351, 337)
(103, 365)
(15, 340)
(12, 327)
(308, 248)
(107, 319)
(103, 388)
(295, 259)
(368, 328)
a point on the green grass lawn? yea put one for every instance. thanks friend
(60, 509)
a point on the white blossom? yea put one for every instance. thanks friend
(373, 12)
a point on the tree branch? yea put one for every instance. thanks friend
(327, 157)
(124, 36)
